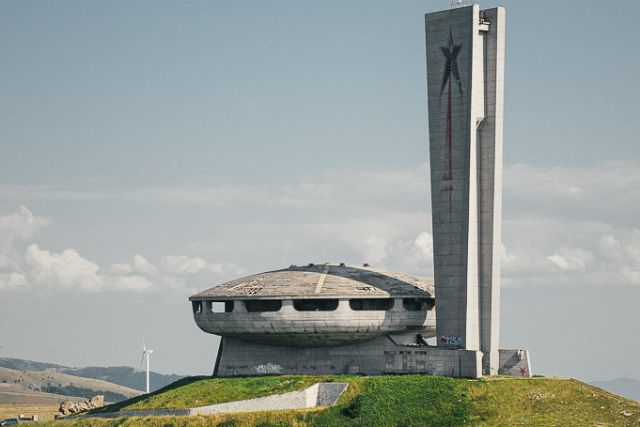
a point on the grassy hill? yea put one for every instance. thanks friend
(42, 387)
(411, 400)
(122, 375)
(626, 387)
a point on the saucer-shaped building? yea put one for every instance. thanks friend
(328, 319)
(318, 305)
(325, 319)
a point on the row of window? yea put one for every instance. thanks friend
(357, 304)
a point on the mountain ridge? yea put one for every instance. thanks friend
(50, 386)
(121, 375)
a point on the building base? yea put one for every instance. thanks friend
(374, 357)
(382, 355)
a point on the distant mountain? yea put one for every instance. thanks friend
(50, 386)
(26, 365)
(123, 375)
(626, 387)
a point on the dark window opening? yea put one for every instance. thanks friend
(258, 305)
(197, 306)
(315, 304)
(371, 304)
(221, 306)
(418, 304)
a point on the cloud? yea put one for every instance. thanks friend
(424, 243)
(343, 187)
(622, 255)
(68, 270)
(139, 265)
(193, 193)
(12, 281)
(571, 259)
(65, 270)
(554, 220)
(142, 266)
(16, 227)
(180, 264)
(604, 192)
(562, 225)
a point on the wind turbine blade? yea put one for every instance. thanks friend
(142, 360)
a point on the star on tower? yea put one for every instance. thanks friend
(451, 66)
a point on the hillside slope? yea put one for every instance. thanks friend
(123, 375)
(626, 387)
(411, 400)
(51, 386)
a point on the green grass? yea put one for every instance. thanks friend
(408, 400)
(401, 401)
(200, 391)
(548, 401)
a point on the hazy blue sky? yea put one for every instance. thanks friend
(153, 149)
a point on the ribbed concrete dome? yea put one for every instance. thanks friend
(322, 281)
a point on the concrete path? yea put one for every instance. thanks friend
(319, 394)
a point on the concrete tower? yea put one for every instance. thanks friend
(465, 69)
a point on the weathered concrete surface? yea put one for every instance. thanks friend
(327, 280)
(337, 284)
(515, 363)
(319, 394)
(329, 393)
(378, 356)
(289, 327)
(141, 413)
(465, 75)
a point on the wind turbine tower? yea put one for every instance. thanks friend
(146, 352)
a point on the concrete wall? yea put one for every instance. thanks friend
(449, 149)
(515, 363)
(320, 394)
(374, 357)
(315, 328)
(489, 141)
(465, 62)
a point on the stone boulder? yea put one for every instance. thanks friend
(68, 407)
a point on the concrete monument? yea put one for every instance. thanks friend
(337, 318)
(465, 75)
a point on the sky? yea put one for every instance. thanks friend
(151, 150)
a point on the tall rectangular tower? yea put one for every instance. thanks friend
(465, 80)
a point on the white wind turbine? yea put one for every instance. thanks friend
(145, 354)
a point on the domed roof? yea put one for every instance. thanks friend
(322, 281)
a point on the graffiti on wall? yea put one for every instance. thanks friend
(451, 340)
(269, 368)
